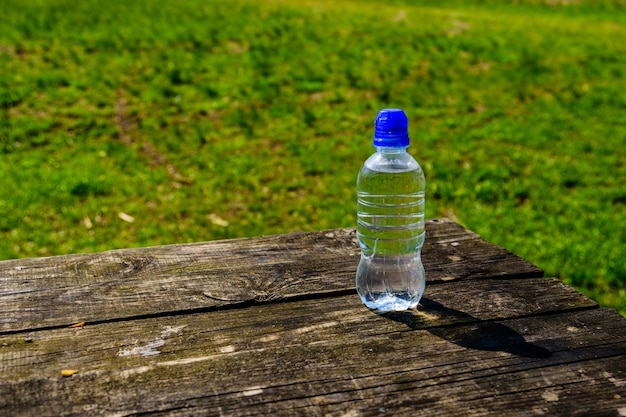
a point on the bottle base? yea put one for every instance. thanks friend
(389, 302)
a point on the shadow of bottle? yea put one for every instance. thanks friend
(468, 331)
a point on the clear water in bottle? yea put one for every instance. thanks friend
(390, 229)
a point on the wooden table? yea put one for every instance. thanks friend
(273, 326)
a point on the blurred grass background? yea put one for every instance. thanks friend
(140, 123)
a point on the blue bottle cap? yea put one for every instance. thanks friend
(391, 129)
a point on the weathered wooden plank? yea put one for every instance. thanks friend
(301, 342)
(460, 253)
(443, 306)
(57, 291)
(324, 357)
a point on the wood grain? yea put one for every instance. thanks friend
(273, 326)
(323, 358)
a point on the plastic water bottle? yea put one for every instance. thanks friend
(390, 230)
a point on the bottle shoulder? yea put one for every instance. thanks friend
(391, 162)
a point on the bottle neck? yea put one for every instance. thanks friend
(391, 150)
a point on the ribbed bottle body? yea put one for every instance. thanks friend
(390, 230)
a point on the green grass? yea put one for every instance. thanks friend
(204, 120)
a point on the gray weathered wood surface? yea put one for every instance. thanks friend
(272, 326)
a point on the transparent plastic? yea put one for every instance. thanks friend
(390, 230)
